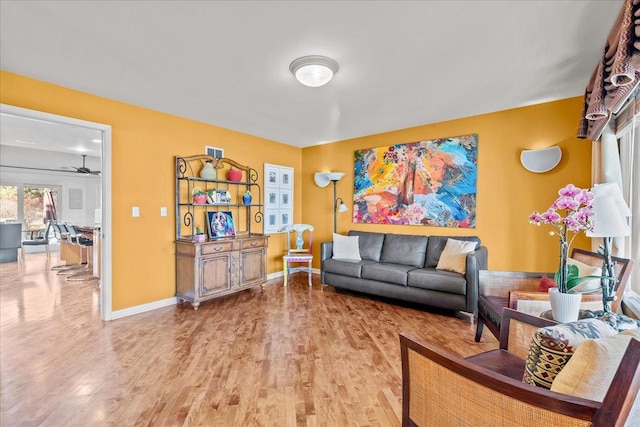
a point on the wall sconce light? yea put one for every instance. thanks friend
(323, 179)
(541, 160)
(314, 70)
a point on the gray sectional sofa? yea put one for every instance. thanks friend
(403, 267)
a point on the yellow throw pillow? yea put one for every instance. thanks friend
(589, 373)
(454, 255)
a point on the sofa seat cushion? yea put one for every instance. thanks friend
(351, 268)
(370, 244)
(386, 272)
(438, 280)
(404, 249)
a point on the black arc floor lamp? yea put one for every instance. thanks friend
(323, 179)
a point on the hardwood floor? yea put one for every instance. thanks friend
(294, 356)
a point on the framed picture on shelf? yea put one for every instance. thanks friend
(220, 224)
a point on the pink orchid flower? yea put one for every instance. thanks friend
(576, 204)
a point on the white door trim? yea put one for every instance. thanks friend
(105, 234)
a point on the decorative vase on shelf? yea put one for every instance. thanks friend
(208, 171)
(564, 307)
(246, 198)
(200, 199)
(211, 197)
(234, 175)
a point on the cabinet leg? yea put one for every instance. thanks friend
(195, 305)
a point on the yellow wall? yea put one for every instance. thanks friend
(506, 195)
(144, 143)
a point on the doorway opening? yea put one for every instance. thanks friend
(100, 210)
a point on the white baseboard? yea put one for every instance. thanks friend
(278, 274)
(138, 309)
(275, 275)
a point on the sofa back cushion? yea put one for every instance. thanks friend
(370, 244)
(404, 249)
(436, 246)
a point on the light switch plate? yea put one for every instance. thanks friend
(135, 211)
(163, 211)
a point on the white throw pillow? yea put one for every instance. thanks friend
(583, 271)
(346, 247)
(454, 255)
(589, 372)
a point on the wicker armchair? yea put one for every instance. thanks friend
(441, 389)
(499, 289)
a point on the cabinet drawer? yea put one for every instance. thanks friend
(252, 243)
(215, 248)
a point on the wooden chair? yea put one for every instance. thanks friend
(500, 289)
(440, 389)
(297, 251)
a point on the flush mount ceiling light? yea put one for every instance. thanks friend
(314, 70)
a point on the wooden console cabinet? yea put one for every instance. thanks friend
(216, 268)
(219, 265)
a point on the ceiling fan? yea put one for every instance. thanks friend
(84, 169)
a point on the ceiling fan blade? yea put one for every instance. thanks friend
(39, 169)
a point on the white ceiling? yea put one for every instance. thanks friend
(28, 133)
(402, 64)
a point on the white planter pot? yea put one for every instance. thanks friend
(564, 307)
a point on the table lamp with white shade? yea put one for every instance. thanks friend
(610, 220)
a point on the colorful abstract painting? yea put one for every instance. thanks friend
(421, 183)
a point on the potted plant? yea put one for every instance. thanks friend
(199, 196)
(199, 236)
(569, 214)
